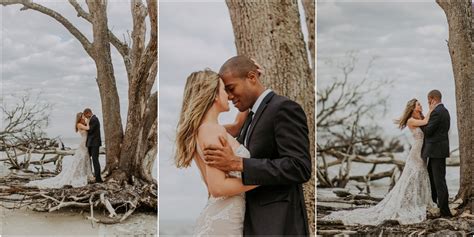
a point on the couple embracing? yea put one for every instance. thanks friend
(254, 168)
(422, 183)
(76, 172)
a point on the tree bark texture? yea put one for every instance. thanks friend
(460, 43)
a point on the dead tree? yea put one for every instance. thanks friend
(344, 123)
(23, 126)
(461, 49)
(271, 33)
(130, 153)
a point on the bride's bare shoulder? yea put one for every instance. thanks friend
(209, 133)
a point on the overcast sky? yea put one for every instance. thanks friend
(408, 37)
(39, 54)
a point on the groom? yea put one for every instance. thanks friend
(436, 150)
(276, 134)
(93, 142)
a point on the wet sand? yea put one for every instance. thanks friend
(69, 222)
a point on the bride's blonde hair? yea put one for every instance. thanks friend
(78, 120)
(407, 114)
(199, 94)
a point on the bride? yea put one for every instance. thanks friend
(76, 171)
(204, 99)
(410, 198)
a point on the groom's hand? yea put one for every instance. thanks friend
(222, 157)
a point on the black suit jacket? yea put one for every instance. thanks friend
(279, 146)
(436, 141)
(93, 135)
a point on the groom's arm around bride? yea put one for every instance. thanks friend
(276, 135)
(280, 163)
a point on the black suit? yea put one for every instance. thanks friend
(436, 148)
(93, 143)
(279, 146)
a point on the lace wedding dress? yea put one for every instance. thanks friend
(407, 202)
(74, 171)
(223, 216)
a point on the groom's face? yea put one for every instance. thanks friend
(239, 91)
(430, 100)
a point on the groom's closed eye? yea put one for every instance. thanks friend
(229, 89)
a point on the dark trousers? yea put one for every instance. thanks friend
(439, 190)
(94, 153)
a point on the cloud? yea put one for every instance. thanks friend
(432, 30)
(409, 39)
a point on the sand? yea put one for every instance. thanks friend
(69, 222)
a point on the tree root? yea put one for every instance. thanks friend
(119, 201)
(434, 227)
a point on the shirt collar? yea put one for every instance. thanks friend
(259, 100)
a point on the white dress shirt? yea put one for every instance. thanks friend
(254, 109)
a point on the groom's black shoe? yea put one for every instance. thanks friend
(446, 215)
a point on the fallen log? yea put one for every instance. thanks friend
(349, 201)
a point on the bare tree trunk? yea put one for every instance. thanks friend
(106, 82)
(459, 16)
(143, 74)
(270, 32)
(147, 147)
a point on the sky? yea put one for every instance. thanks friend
(410, 41)
(40, 56)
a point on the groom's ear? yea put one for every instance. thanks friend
(252, 76)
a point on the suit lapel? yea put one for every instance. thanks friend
(258, 114)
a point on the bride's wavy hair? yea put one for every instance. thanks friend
(407, 114)
(199, 94)
(78, 120)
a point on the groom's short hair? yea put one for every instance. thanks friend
(87, 110)
(239, 66)
(435, 94)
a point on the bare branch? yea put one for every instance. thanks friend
(121, 47)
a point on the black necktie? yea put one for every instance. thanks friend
(245, 128)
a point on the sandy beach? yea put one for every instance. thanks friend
(70, 222)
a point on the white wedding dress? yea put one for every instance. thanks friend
(74, 172)
(407, 202)
(223, 216)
